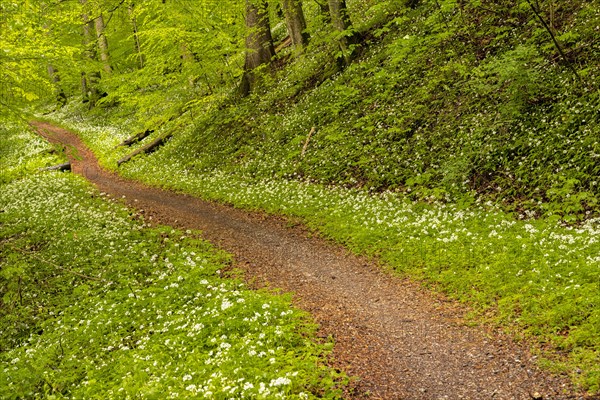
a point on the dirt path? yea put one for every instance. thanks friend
(402, 341)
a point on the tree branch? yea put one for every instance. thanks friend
(109, 11)
(556, 43)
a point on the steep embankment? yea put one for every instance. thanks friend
(455, 104)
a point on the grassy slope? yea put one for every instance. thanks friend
(469, 108)
(96, 304)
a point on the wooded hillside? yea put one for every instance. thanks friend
(446, 100)
(390, 126)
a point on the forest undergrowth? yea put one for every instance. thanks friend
(95, 303)
(460, 147)
(536, 278)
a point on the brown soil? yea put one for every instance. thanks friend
(402, 341)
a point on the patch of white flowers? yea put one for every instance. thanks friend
(177, 329)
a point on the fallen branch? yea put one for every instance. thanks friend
(538, 14)
(284, 43)
(60, 167)
(312, 131)
(136, 138)
(148, 148)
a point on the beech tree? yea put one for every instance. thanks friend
(61, 97)
(136, 36)
(89, 80)
(192, 49)
(347, 37)
(296, 23)
(259, 43)
(102, 43)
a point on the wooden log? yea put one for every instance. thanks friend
(148, 148)
(144, 134)
(283, 44)
(60, 167)
(136, 138)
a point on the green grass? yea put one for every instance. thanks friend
(97, 304)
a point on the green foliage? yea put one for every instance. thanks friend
(190, 50)
(451, 105)
(437, 108)
(22, 152)
(538, 277)
(22, 45)
(463, 105)
(96, 304)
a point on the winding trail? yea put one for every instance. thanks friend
(402, 341)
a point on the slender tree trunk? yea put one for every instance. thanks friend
(88, 39)
(539, 16)
(136, 38)
(341, 22)
(259, 43)
(102, 43)
(89, 81)
(296, 23)
(85, 87)
(53, 74)
(61, 97)
(92, 79)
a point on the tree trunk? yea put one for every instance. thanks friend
(296, 23)
(102, 43)
(84, 87)
(60, 167)
(150, 147)
(259, 43)
(89, 81)
(61, 97)
(136, 138)
(136, 38)
(341, 22)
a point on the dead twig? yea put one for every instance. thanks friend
(312, 131)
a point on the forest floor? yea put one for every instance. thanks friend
(402, 341)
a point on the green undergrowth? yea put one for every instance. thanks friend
(538, 278)
(23, 152)
(450, 101)
(94, 303)
(447, 101)
(461, 147)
